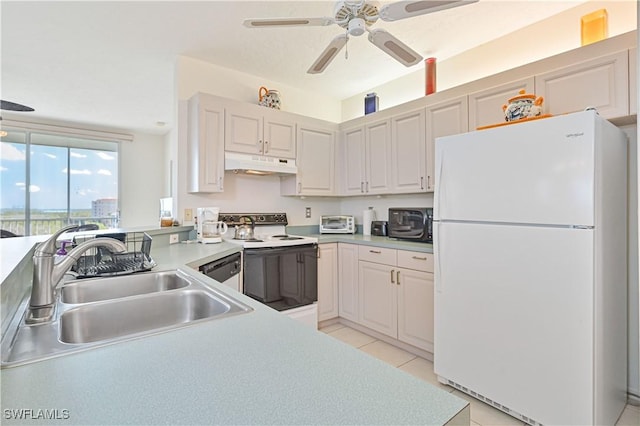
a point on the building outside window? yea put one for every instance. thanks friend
(48, 181)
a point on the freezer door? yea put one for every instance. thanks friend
(536, 172)
(514, 317)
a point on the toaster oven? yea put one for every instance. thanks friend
(340, 224)
(415, 224)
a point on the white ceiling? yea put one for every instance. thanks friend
(112, 64)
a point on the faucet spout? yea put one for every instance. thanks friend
(47, 275)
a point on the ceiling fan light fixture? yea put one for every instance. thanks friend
(356, 27)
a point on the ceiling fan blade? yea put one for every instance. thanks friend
(11, 106)
(329, 53)
(394, 47)
(288, 22)
(408, 9)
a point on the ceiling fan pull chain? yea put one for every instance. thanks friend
(346, 47)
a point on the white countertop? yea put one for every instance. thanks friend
(256, 368)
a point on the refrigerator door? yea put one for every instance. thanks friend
(513, 317)
(539, 172)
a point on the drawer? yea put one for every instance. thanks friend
(415, 260)
(377, 254)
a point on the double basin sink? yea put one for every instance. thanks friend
(100, 311)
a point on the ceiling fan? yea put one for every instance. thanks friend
(356, 16)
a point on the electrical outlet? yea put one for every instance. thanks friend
(307, 212)
(188, 215)
(174, 238)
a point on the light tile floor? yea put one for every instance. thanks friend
(481, 413)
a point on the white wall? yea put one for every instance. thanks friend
(552, 36)
(142, 179)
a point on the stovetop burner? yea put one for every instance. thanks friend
(286, 237)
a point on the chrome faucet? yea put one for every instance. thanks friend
(47, 274)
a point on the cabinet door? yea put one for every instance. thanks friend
(243, 130)
(348, 281)
(378, 297)
(408, 149)
(415, 308)
(378, 158)
(327, 281)
(485, 106)
(353, 157)
(443, 119)
(633, 81)
(205, 145)
(316, 165)
(602, 83)
(279, 135)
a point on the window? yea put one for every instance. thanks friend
(49, 181)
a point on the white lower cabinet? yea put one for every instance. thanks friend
(396, 294)
(348, 282)
(327, 281)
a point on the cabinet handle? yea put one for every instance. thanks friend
(266, 146)
(221, 182)
(375, 251)
(367, 187)
(421, 182)
(428, 181)
(362, 187)
(398, 277)
(392, 282)
(418, 258)
(299, 187)
(260, 146)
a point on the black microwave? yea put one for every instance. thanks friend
(411, 223)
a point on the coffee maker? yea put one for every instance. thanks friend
(208, 228)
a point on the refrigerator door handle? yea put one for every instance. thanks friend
(437, 203)
(436, 246)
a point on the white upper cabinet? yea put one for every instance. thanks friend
(449, 117)
(353, 161)
(205, 144)
(602, 83)
(485, 106)
(378, 158)
(316, 146)
(366, 159)
(259, 130)
(408, 152)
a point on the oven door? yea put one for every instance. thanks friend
(282, 277)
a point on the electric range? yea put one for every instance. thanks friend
(278, 269)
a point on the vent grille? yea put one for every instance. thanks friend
(493, 403)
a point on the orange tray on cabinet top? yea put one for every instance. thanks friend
(522, 120)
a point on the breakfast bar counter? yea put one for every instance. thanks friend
(256, 368)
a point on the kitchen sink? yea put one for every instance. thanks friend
(109, 320)
(97, 289)
(97, 312)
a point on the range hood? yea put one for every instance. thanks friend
(258, 165)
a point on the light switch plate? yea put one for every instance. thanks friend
(307, 212)
(188, 215)
(174, 238)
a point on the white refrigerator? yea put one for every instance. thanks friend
(530, 224)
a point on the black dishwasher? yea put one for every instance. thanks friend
(225, 270)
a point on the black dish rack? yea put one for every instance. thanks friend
(100, 261)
